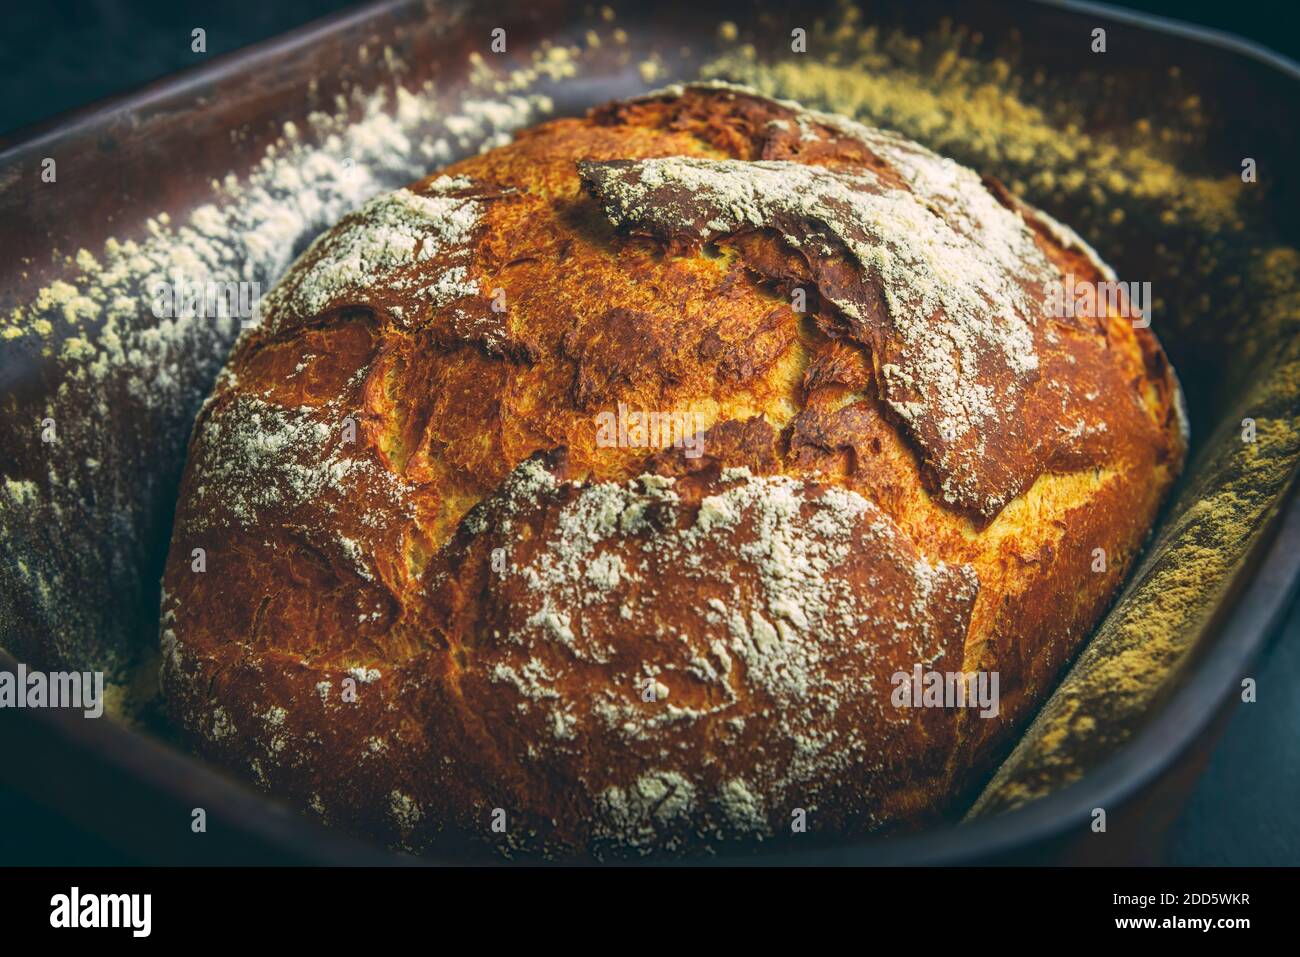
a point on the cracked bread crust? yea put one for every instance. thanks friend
(435, 605)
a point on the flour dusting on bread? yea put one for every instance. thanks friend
(365, 259)
(799, 580)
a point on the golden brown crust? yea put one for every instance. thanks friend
(402, 491)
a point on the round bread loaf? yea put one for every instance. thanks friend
(607, 493)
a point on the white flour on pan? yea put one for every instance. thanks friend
(130, 383)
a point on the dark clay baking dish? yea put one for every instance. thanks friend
(242, 161)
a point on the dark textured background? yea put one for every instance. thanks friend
(55, 56)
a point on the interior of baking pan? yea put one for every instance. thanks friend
(233, 168)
